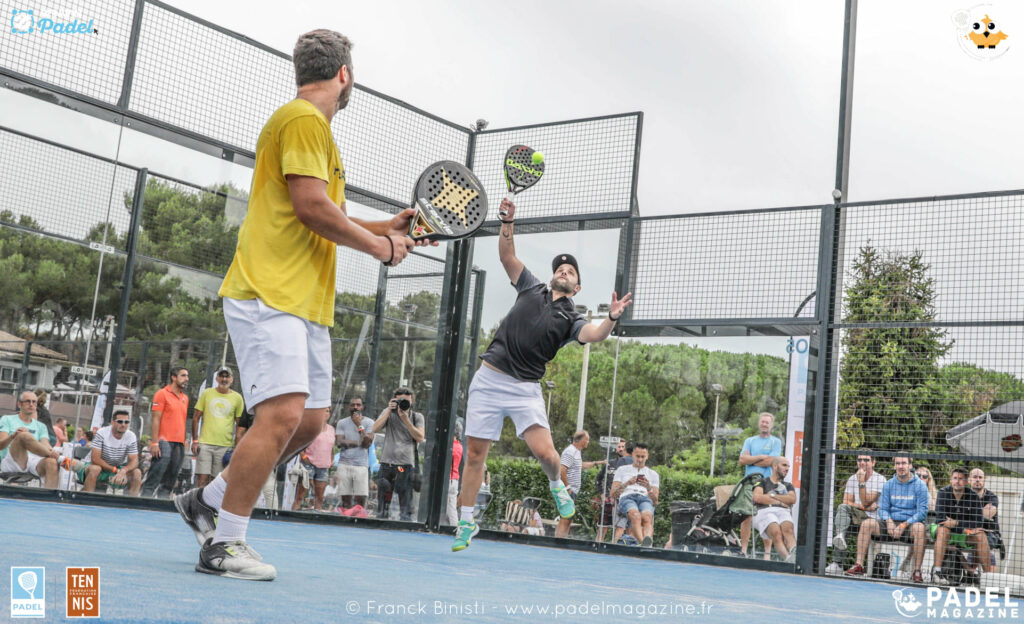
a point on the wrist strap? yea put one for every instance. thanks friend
(614, 319)
(510, 221)
(392, 258)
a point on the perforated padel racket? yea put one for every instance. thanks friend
(521, 169)
(450, 203)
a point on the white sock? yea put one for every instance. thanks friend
(230, 528)
(213, 493)
(556, 484)
(467, 514)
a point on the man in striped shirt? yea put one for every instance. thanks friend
(115, 456)
(572, 473)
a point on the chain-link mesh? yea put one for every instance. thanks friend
(386, 145)
(56, 190)
(91, 63)
(218, 86)
(747, 265)
(589, 167)
(929, 374)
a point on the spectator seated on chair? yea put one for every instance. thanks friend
(25, 446)
(636, 487)
(960, 512)
(990, 514)
(902, 508)
(773, 498)
(860, 499)
(115, 457)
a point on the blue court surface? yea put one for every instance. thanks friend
(330, 573)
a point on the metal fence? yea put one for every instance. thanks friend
(912, 342)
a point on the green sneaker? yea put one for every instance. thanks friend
(563, 501)
(464, 534)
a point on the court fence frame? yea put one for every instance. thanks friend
(819, 256)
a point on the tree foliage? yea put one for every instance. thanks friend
(886, 397)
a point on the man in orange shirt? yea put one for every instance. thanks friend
(167, 444)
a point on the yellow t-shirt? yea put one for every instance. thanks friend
(278, 259)
(220, 412)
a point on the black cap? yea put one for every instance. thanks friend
(561, 259)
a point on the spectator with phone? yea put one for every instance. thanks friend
(636, 487)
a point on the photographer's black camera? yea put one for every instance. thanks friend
(403, 404)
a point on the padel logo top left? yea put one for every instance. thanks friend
(28, 592)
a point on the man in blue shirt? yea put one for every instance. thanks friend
(903, 507)
(757, 455)
(25, 444)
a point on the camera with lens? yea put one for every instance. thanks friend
(403, 404)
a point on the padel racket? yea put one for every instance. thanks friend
(522, 169)
(450, 203)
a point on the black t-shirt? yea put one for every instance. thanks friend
(966, 511)
(770, 487)
(534, 330)
(990, 498)
(246, 420)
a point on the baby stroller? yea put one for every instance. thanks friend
(713, 528)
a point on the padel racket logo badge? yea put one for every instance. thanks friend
(980, 32)
(524, 168)
(28, 592)
(435, 218)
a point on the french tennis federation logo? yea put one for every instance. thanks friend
(28, 592)
(907, 604)
(83, 592)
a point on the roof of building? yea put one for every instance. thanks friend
(9, 343)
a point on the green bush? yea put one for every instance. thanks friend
(514, 478)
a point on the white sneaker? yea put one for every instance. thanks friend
(233, 560)
(834, 569)
(839, 541)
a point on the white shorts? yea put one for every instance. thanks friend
(353, 480)
(278, 353)
(31, 465)
(768, 515)
(493, 396)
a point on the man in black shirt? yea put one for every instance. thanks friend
(989, 512)
(542, 320)
(960, 519)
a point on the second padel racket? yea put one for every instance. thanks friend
(524, 167)
(450, 203)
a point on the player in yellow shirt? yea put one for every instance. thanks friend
(279, 298)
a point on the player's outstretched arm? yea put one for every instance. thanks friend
(506, 246)
(597, 333)
(317, 212)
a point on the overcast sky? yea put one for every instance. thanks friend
(740, 97)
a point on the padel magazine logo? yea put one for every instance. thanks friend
(28, 592)
(992, 603)
(44, 21)
(981, 31)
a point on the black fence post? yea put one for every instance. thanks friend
(24, 367)
(380, 305)
(444, 400)
(135, 225)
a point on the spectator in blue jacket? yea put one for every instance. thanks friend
(903, 507)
